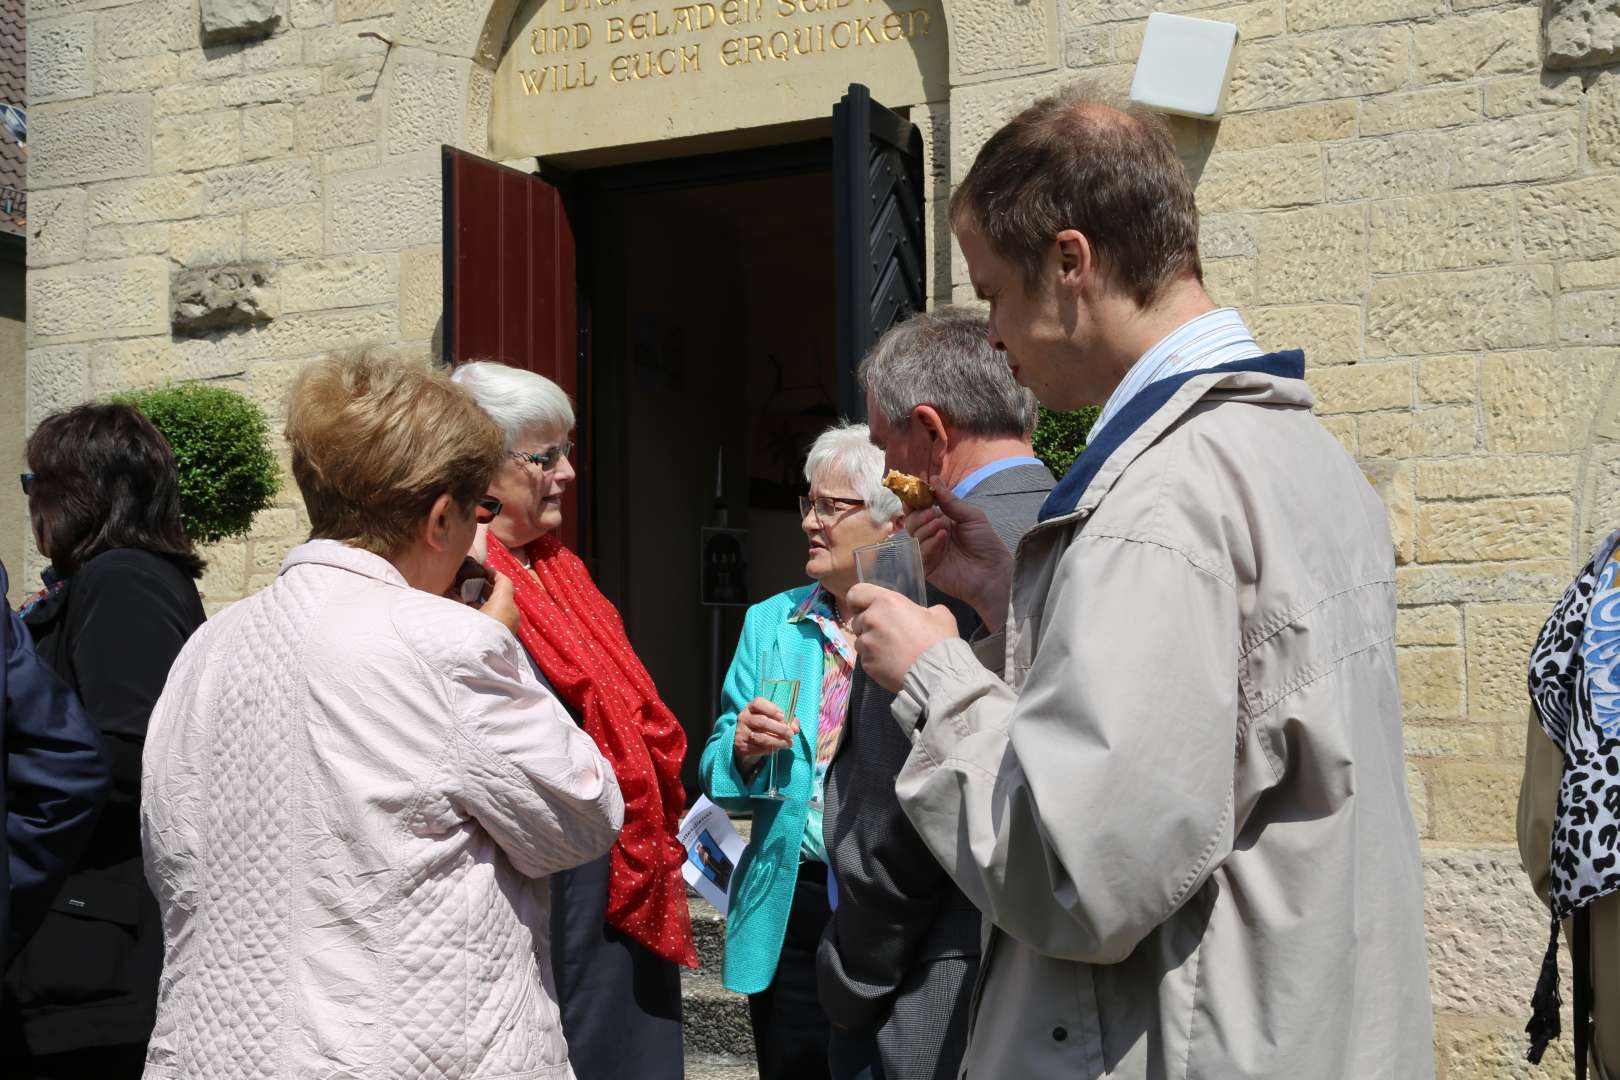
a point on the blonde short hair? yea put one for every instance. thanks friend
(376, 440)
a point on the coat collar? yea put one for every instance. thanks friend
(1273, 379)
(341, 555)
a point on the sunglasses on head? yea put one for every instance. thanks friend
(486, 510)
(27, 479)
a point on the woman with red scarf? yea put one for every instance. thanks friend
(620, 924)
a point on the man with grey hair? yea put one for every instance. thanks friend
(898, 958)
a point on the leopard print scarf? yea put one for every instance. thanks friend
(1575, 688)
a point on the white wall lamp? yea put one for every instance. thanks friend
(1185, 65)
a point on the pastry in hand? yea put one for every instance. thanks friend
(913, 492)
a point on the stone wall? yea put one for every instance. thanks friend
(1401, 187)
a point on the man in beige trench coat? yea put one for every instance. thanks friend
(1172, 779)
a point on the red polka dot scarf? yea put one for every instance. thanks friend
(577, 638)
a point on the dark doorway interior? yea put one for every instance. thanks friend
(711, 314)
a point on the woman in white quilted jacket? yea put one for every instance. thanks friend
(354, 788)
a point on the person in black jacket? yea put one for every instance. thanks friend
(104, 500)
(52, 779)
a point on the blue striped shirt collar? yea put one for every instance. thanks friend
(1210, 340)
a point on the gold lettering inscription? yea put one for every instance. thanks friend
(553, 39)
(556, 78)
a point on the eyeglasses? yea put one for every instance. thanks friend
(546, 459)
(27, 479)
(486, 510)
(826, 506)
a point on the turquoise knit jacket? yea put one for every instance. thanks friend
(762, 891)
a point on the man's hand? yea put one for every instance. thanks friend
(891, 632)
(762, 729)
(962, 554)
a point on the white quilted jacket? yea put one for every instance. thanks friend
(352, 793)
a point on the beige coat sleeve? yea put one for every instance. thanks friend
(1081, 812)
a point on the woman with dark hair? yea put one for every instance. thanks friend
(120, 601)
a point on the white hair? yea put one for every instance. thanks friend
(516, 399)
(943, 358)
(845, 450)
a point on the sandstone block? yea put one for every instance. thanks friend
(284, 232)
(99, 139)
(1088, 47)
(1541, 401)
(130, 202)
(1543, 146)
(343, 281)
(421, 292)
(1472, 801)
(1435, 625)
(60, 61)
(1580, 32)
(425, 107)
(1589, 275)
(1494, 476)
(1254, 21)
(481, 89)
(361, 75)
(1519, 94)
(238, 20)
(212, 63)
(199, 141)
(225, 579)
(1329, 333)
(1321, 14)
(1409, 164)
(351, 159)
(137, 73)
(1531, 527)
(57, 379)
(1590, 318)
(383, 210)
(1230, 282)
(337, 120)
(1277, 127)
(269, 87)
(306, 13)
(1575, 220)
(1431, 682)
(56, 226)
(1444, 431)
(1317, 67)
(1467, 309)
(266, 556)
(1445, 380)
(177, 100)
(1603, 121)
(1535, 579)
(1424, 110)
(222, 297)
(1485, 1051)
(112, 299)
(994, 39)
(1342, 428)
(1386, 435)
(1499, 640)
(1225, 236)
(350, 10)
(285, 50)
(1393, 483)
(1417, 791)
(1601, 508)
(1469, 46)
(261, 185)
(1312, 255)
(1362, 387)
(1481, 917)
(269, 131)
(1429, 739)
(1254, 179)
(206, 241)
(150, 361)
(978, 111)
(125, 241)
(1456, 231)
(146, 29)
(326, 44)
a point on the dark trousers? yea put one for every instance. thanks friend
(853, 1057)
(790, 1030)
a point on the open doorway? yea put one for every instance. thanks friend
(712, 362)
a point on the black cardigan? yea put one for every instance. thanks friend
(89, 977)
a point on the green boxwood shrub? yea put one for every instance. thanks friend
(221, 444)
(1059, 437)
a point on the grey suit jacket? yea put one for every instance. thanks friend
(900, 953)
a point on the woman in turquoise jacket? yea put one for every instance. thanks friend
(779, 901)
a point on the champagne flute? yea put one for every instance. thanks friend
(783, 692)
